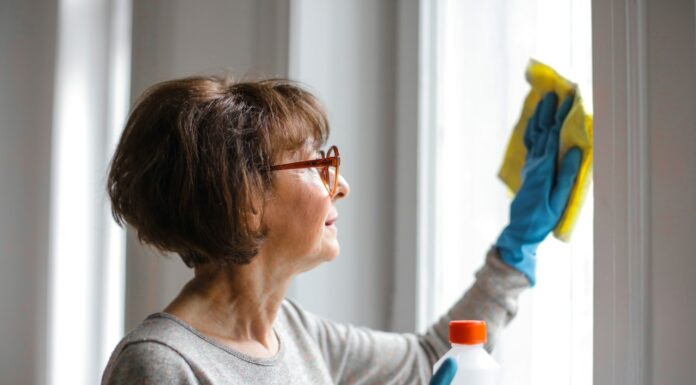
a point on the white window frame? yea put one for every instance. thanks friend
(414, 170)
(621, 180)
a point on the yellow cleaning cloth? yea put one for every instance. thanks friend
(575, 132)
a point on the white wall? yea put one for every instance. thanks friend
(410, 273)
(27, 47)
(344, 50)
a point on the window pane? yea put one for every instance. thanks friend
(483, 50)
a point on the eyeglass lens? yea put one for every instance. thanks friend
(329, 173)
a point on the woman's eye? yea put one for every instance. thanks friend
(311, 171)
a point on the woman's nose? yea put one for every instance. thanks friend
(343, 188)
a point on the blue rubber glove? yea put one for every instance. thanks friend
(445, 373)
(544, 193)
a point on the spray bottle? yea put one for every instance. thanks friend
(474, 365)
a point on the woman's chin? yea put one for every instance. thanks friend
(331, 257)
(328, 253)
(335, 250)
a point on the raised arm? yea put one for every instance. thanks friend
(358, 355)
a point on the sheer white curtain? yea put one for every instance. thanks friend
(86, 264)
(482, 52)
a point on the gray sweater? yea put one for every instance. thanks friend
(165, 350)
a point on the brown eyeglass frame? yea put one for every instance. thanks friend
(323, 164)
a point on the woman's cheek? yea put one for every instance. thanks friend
(317, 215)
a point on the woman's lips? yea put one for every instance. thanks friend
(331, 221)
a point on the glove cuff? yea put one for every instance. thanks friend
(521, 257)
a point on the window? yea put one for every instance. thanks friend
(481, 52)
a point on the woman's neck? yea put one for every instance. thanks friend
(235, 305)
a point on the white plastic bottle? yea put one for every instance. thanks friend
(474, 365)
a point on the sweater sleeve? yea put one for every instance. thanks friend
(148, 362)
(358, 355)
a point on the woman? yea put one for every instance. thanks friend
(230, 177)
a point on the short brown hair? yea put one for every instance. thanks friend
(195, 156)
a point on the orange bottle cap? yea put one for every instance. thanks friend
(467, 332)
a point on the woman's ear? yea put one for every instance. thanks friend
(256, 213)
(255, 217)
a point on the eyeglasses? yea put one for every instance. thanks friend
(327, 165)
